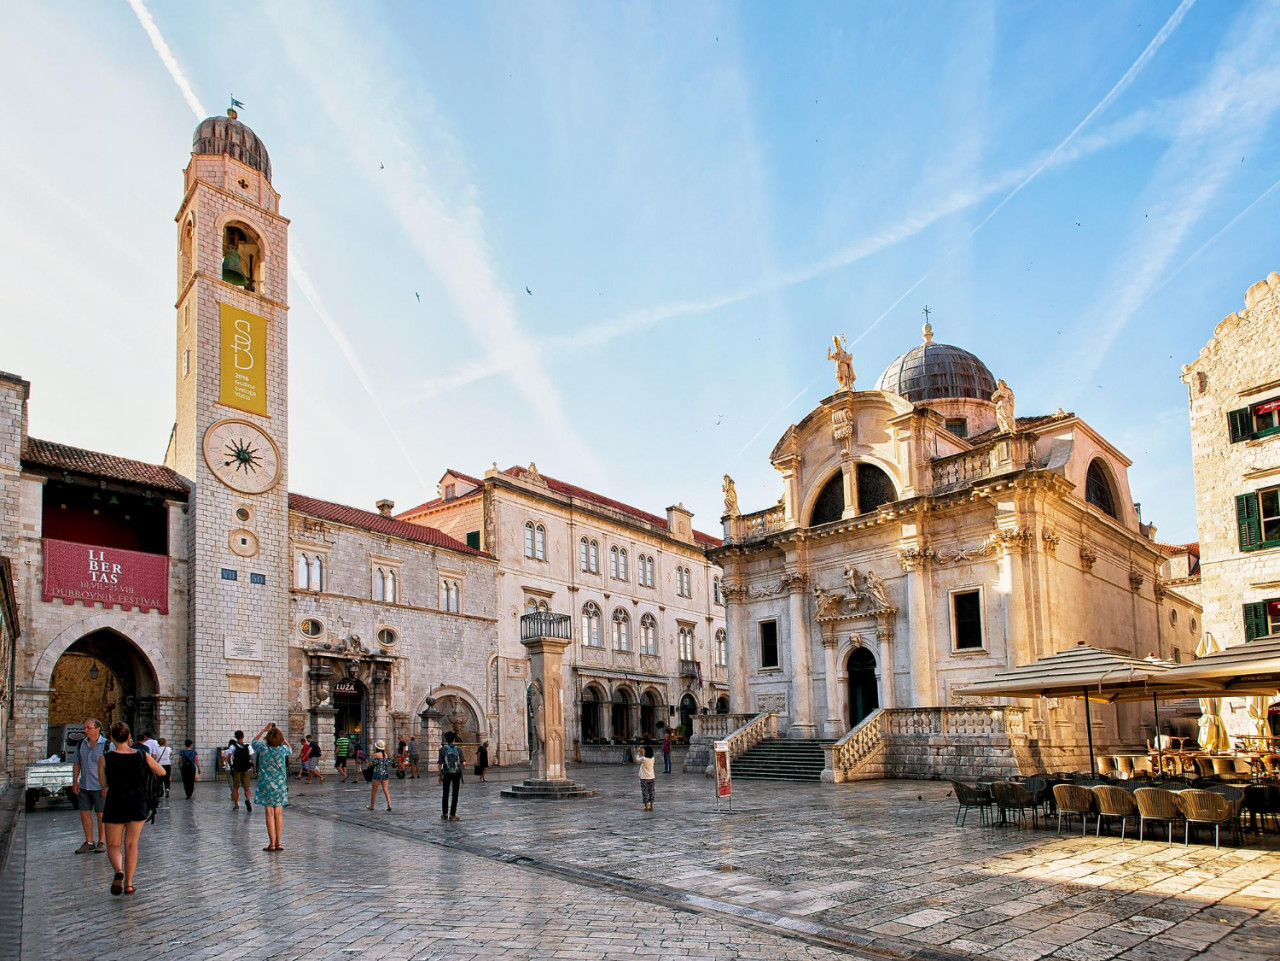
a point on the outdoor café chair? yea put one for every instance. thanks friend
(968, 797)
(1204, 764)
(1073, 801)
(1156, 804)
(1123, 766)
(1114, 802)
(1207, 807)
(1014, 797)
(1106, 765)
(1143, 766)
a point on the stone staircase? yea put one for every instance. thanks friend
(782, 759)
(534, 790)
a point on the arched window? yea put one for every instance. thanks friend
(648, 634)
(528, 539)
(595, 557)
(722, 705)
(621, 630)
(535, 606)
(875, 488)
(613, 562)
(1098, 490)
(722, 649)
(830, 503)
(584, 555)
(241, 256)
(392, 596)
(450, 595)
(590, 624)
(684, 582)
(302, 573)
(623, 574)
(310, 574)
(685, 638)
(540, 543)
(379, 585)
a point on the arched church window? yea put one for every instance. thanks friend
(1098, 490)
(830, 503)
(874, 488)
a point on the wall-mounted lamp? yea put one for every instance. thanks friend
(93, 672)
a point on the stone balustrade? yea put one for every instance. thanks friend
(1000, 456)
(717, 727)
(748, 527)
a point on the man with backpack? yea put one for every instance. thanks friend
(240, 756)
(450, 761)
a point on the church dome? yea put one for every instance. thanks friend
(229, 136)
(937, 372)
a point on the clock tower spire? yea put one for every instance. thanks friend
(232, 429)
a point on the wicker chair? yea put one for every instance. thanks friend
(1156, 804)
(1204, 764)
(1225, 768)
(1123, 766)
(1114, 802)
(1271, 764)
(1207, 807)
(1106, 765)
(969, 797)
(1014, 797)
(1073, 801)
(1143, 766)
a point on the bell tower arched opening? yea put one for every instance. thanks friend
(241, 256)
(102, 675)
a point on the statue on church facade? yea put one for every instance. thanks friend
(730, 497)
(873, 587)
(843, 360)
(1003, 399)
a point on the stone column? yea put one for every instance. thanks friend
(922, 641)
(546, 656)
(834, 726)
(323, 720)
(735, 632)
(884, 634)
(802, 724)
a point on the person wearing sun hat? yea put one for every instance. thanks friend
(381, 765)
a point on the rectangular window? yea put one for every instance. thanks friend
(186, 362)
(966, 620)
(1262, 619)
(958, 426)
(1257, 420)
(473, 540)
(1258, 519)
(228, 575)
(769, 644)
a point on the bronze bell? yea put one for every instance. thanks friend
(233, 270)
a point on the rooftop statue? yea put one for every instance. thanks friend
(730, 497)
(843, 360)
(1003, 399)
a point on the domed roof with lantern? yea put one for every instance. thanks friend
(227, 135)
(932, 371)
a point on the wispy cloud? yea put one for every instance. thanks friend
(167, 58)
(1224, 118)
(443, 221)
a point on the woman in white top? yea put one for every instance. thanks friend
(645, 761)
(164, 757)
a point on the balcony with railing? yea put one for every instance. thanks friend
(688, 668)
(546, 624)
(750, 527)
(1000, 456)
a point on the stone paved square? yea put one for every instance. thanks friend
(874, 870)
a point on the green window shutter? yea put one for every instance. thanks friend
(1255, 621)
(1250, 523)
(1241, 422)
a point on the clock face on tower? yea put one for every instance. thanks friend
(242, 456)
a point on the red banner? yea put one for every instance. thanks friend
(106, 575)
(1266, 407)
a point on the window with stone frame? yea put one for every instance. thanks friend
(645, 577)
(716, 596)
(613, 562)
(684, 638)
(309, 572)
(595, 556)
(385, 584)
(591, 625)
(768, 633)
(966, 620)
(1258, 519)
(1257, 420)
(539, 542)
(589, 555)
(623, 573)
(1262, 619)
(528, 539)
(451, 595)
(621, 630)
(722, 649)
(534, 605)
(648, 634)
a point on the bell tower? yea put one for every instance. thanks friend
(231, 436)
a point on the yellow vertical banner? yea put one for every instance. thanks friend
(243, 382)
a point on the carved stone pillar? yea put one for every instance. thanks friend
(802, 723)
(884, 635)
(546, 655)
(735, 631)
(915, 563)
(834, 725)
(1013, 545)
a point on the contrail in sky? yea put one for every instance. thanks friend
(295, 266)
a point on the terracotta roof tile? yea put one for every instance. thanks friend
(1191, 548)
(76, 460)
(437, 501)
(582, 493)
(377, 523)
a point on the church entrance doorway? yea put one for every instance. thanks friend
(102, 675)
(349, 702)
(688, 708)
(863, 694)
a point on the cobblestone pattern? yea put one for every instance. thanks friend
(879, 863)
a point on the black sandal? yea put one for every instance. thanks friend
(117, 885)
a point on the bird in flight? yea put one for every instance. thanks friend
(528, 291)
(418, 295)
(381, 166)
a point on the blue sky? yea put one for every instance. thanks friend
(697, 195)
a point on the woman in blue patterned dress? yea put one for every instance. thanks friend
(380, 774)
(273, 781)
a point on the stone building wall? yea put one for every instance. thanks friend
(1239, 366)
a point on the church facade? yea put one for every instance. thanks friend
(200, 595)
(925, 538)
